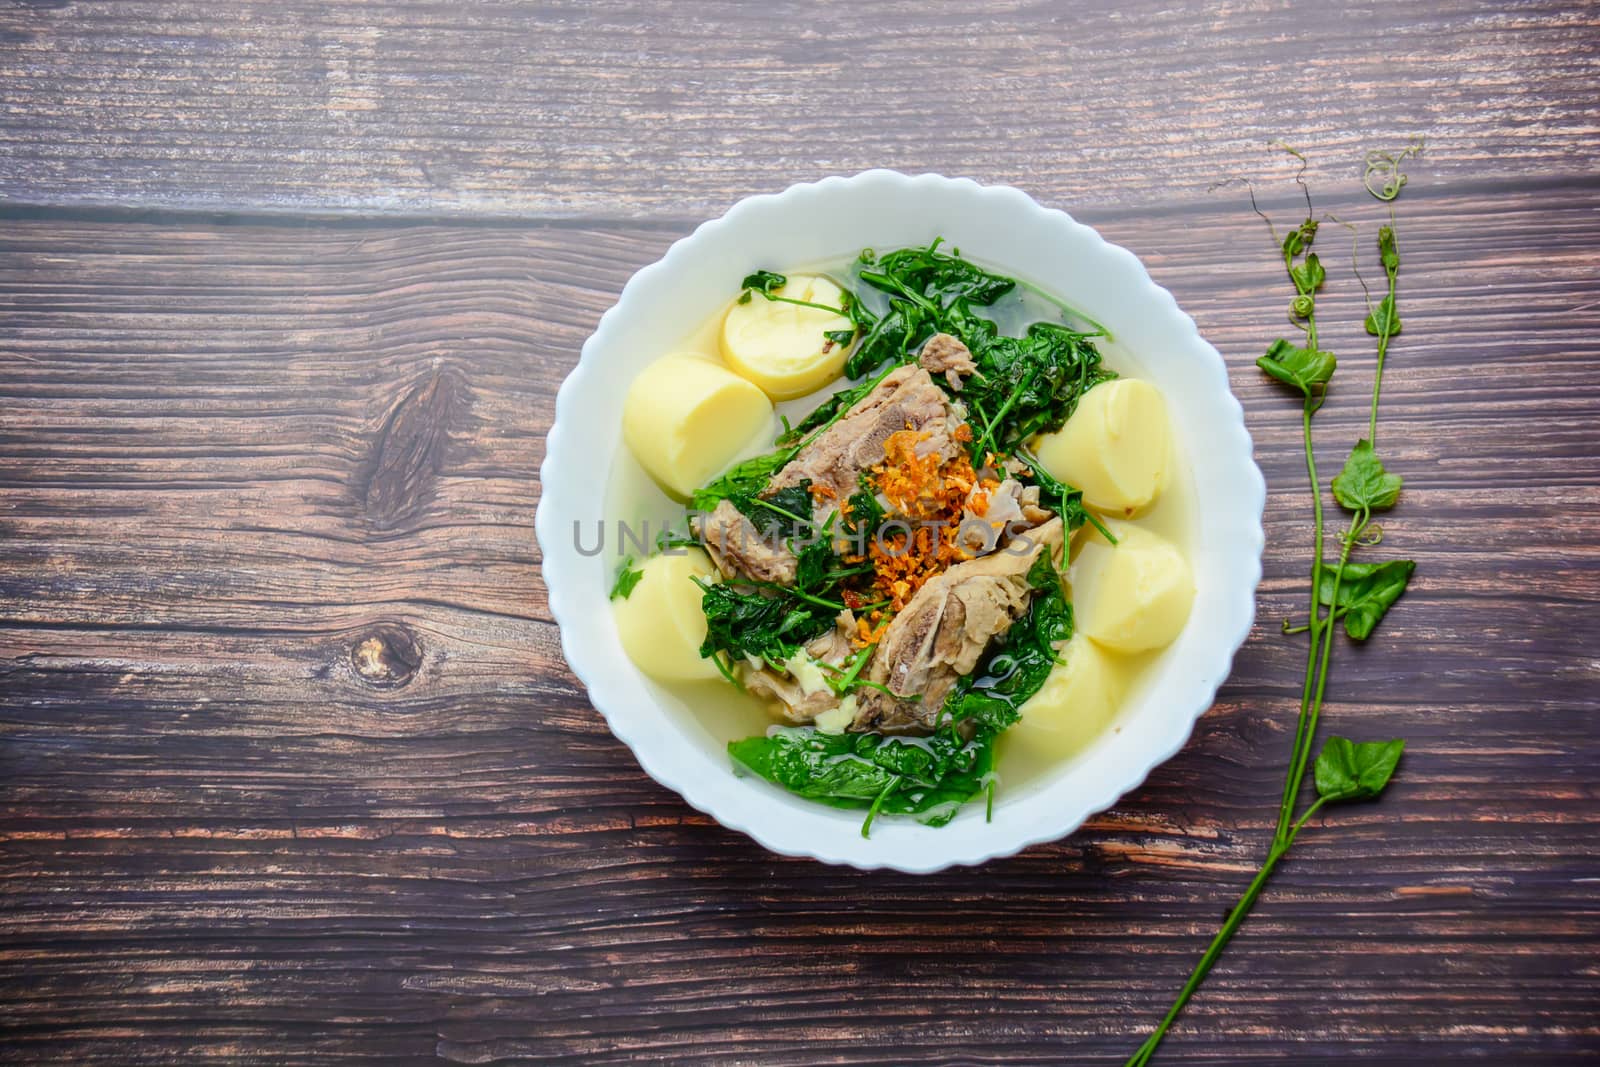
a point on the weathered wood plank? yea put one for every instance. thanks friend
(232, 456)
(631, 109)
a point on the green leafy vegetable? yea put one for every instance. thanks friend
(1308, 275)
(818, 568)
(1358, 593)
(779, 515)
(1384, 320)
(1364, 592)
(814, 765)
(865, 518)
(1023, 385)
(939, 278)
(928, 777)
(1388, 250)
(765, 282)
(1349, 770)
(627, 577)
(1299, 239)
(669, 538)
(769, 627)
(890, 337)
(1016, 668)
(1062, 498)
(1305, 369)
(1363, 484)
(1027, 385)
(743, 481)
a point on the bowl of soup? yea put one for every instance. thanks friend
(899, 521)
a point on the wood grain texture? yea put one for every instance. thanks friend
(291, 770)
(634, 109)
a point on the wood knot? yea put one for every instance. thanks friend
(409, 451)
(387, 657)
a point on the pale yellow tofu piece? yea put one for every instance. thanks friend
(782, 347)
(1133, 596)
(686, 419)
(1116, 447)
(1076, 703)
(660, 621)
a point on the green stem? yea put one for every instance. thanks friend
(847, 677)
(1220, 941)
(1316, 626)
(820, 602)
(988, 429)
(878, 280)
(806, 304)
(1307, 736)
(785, 512)
(872, 812)
(1377, 381)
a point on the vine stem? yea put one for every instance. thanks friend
(1316, 626)
(1372, 425)
(1377, 381)
(1306, 735)
(1220, 941)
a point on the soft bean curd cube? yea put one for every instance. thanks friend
(686, 419)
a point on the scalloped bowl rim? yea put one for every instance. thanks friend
(1229, 489)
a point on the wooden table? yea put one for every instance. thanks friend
(293, 771)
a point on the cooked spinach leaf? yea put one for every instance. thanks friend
(928, 777)
(743, 480)
(1018, 664)
(938, 277)
(866, 516)
(767, 283)
(1030, 384)
(762, 281)
(891, 337)
(769, 627)
(815, 765)
(1062, 498)
(783, 514)
(1023, 385)
(627, 577)
(818, 568)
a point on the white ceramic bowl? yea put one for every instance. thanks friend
(832, 219)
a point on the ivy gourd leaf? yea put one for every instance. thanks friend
(1356, 770)
(1364, 483)
(1366, 591)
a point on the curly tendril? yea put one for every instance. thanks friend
(1385, 176)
